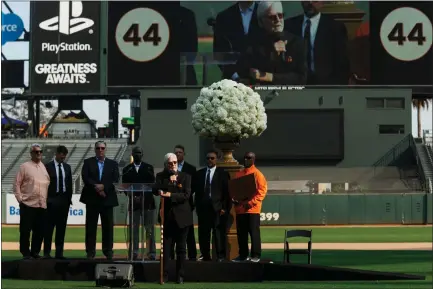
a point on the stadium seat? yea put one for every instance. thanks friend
(297, 233)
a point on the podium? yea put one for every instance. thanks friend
(133, 190)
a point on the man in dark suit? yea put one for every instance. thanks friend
(233, 29)
(58, 201)
(141, 172)
(99, 195)
(326, 43)
(183, 166)
(188, 42)
(175, 188)
(213, 206)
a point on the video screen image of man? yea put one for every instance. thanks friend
(234, 27)
(274, 56)
(326, 41)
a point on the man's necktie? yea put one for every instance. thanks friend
(207, 184)
(60, 179)
(307, 39)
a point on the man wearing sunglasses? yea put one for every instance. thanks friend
(248, 213)
(274, 56)
(99, 195)
(31, 189)
(213, 205)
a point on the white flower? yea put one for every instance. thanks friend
(228, 108)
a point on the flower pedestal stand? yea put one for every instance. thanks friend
(227, 145)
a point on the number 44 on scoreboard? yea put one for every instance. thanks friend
(406, 34)
(151, 35)
(142, 34)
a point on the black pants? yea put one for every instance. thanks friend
(190, 244)
(211, 224)
(31, 220)
(249, 224)
(174, 234)
(107, 223)
(56, 216)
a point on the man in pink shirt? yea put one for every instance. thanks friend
(30, 189)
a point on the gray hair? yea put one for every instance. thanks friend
(35, 145)
(263, 7)
(167, 157)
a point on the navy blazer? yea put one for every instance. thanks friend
(90, 176)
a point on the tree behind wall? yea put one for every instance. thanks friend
(420, 104)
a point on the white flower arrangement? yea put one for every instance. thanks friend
(228, 108)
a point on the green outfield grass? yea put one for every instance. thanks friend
(411, 262)
(214, 73)
(276, 234)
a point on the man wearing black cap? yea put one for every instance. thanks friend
(141, 172)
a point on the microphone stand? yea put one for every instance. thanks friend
(161, 263)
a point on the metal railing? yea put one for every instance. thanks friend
(81, 160)
(13, 163)
(71, 152)
(395, 152)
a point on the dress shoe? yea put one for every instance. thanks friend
(109, 257)
(36, 256)
(179, 280)
(192, 259)
(90, 256)
(152, 258)
(204, 259)
(27, 257)
(47, 256)
(241, 259)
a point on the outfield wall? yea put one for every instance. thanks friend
(295, 209)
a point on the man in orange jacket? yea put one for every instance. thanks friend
(248, 213)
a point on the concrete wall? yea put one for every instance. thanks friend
(363, 145)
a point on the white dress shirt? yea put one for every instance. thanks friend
(211, 172)
(180, 166)
(313, 31)
(137, 167)
(56, 164)
(246, 15)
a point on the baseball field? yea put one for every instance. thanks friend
(405, 249)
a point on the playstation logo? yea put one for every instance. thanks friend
(69, 21)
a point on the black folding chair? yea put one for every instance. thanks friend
(297, 233)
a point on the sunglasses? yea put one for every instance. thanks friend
(171, 163)
(100, 148)
(210, 158)
(38, 152)
(276, 17)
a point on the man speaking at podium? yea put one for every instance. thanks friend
(141, 172)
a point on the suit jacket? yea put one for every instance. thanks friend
(287, 69)
(145, 174)
(190, 170)
(229, 35)
(53, 197)
(188, 41)
(331, 56)
(90, 176)
(176, 208)
(219, 190)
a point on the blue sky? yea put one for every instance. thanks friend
(20, 50)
